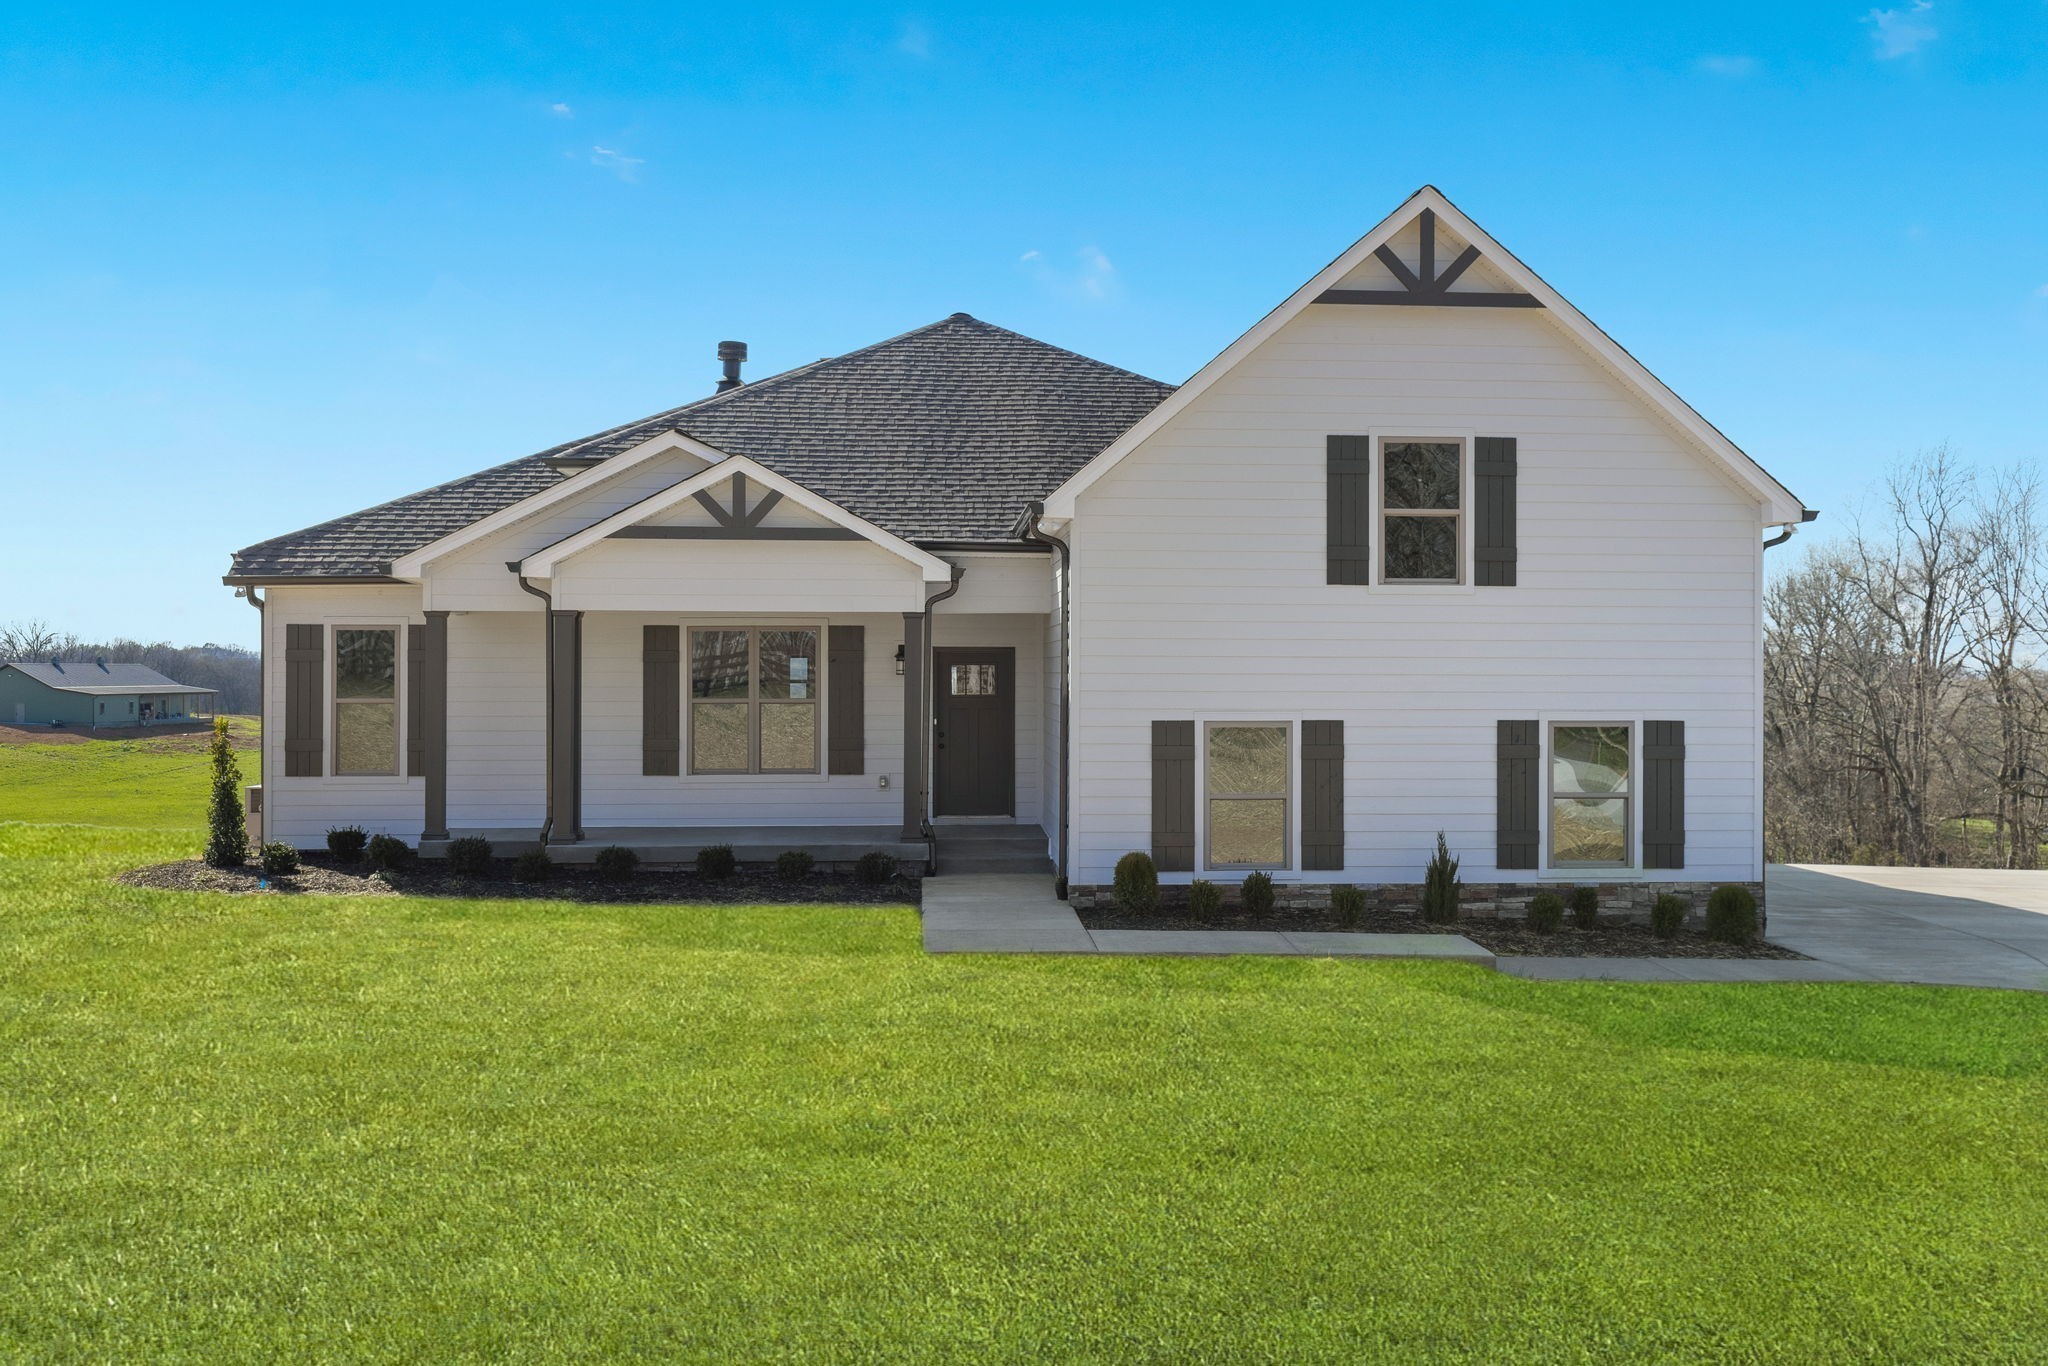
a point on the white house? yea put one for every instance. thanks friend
(1424, 550)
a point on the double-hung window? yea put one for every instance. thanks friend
(1422, 510)
(1246, 778)
(1592, 794)
(754, 700)
(366, 700)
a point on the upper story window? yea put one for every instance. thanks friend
(365, 700)
(1422, 510)
(754, 700)
(1591, 792)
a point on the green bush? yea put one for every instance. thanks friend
(388, 852)
(1440, 885)
(793, 865)
(1347, 904)
(533, 866)
(227, 832)
(469, 856)
(1136, 886)
(615, 862)
(1731, 915)
(346, 842)
(279, 859)
(1257, 894)
(1546, 912)
(874, 868)
(1585, 907)
(1205, 899)
(1667, 915)
(716, 860)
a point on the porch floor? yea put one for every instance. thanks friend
(678, 844)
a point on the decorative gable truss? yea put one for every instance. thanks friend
(1425, 284)
(739, 519)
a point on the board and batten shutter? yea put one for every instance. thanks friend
(846, 657)
(661, 701)
(1173, 796)
(415, 701)
(1663, 794)
(1322, 795)
(1493, 508)
(304, 653)
(1518, 755)
(1349, 510)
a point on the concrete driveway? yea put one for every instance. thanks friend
(1971, 927)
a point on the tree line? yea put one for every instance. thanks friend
(230, 670)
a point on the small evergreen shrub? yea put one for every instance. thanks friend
(469, 856)
(1257, 892)
(533, 866)
(793, 865)
(1136, 886)
(227, 831)
(388, 852)
(1440, 885)
(1585, 907)
(1731, 915)
(1667, 915)
(716, 860)
(279, 859)
(1205, 899)
(1546, 912)
(1347, 904)
(874, 868)
(346, 842)
(615, 862)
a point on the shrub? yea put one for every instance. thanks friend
(615, 862)
(388, 852)
(346, 842)
(1667, 915)
(1731, 915)
(469, 856)
(716, 860)
(227, 832)
(1136, 886)
(1347, 903)
(279, 859)
(793, 865)
(533, 866)
(1546, 912)
(1205, 899)
(1585, 907)
(1257, 892)
(1440, 885)
(874, 868)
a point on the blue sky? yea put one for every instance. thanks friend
(258, 268)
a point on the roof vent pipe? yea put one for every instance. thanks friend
(732, 353)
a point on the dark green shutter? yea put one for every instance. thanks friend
(846, 689)
(304, 689)
(1173, 796)
(1493, 502)
(1349, 510)
(661, 701)
(1663, 794)
(415, 701)
(1322, 795)
(1518, 757)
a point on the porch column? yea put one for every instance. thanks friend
(434, 726)
(915, 727)
(565, 726)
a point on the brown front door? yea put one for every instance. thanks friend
(974, 744)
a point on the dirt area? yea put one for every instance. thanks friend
(190, 738)
(194, 875)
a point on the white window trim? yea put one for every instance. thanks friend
(1467, 439)
(1203, 724)
(334, 703)
(1633, 870)
(763, 622)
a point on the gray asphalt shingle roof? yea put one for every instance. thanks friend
(942, 434)
(89, 677)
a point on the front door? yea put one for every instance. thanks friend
(974, 743)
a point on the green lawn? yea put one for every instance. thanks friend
(242, 1129)
(142, 783)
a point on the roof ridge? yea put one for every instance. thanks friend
(1064, 351)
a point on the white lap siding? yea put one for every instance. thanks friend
(497, 720)
(1201, 591)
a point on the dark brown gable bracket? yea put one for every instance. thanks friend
(1427, 286)
(736, 523)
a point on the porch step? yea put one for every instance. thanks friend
(992, 849)
(951, 862)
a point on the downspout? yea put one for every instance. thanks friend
(1764, 810)
(547, 637)
(931, 720)
(1805, 515)
(1028, 528)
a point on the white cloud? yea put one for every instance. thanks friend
(1902, 32)
(914, 39)
(561, 111)
(628, 168)
(1735, 67)
(2042, 292)
(1092, 277)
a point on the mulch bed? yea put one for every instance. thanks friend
(1507, 938)
(649, 885)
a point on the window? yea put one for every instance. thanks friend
(1422, 511)
(973, 680)
(365, 700)
(754, 700)
(1246, 776)
(1590, 794)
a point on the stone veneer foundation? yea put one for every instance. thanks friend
(1480, 900)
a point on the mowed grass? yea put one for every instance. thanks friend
(145, 783)
(407, 1130)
